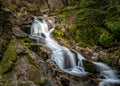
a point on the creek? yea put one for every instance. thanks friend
(66, 59)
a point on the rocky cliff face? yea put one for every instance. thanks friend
(19, 67)
(26, 64)
(22, 67)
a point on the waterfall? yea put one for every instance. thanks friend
(67, 60)
(110, 76)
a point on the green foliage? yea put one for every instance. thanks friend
(114, 29)
(86, 3)
(117, 53)
(9, 59)
(90, 17)
(98, 22)
(32, 61)
(91, 35)
(40, 82)
(107, 40)
(66, 14)
(74, 32)
(66, 9)
(58, 33)
(25, 41)
(97, 4)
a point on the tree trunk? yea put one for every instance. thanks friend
(63, 2)
(48, 5)
(66, 2)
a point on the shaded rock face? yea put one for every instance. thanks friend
(6, 24)
(24, 69)
(55, 4)
(24, 10)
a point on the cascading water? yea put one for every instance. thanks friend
(109, 74)
(65, 59)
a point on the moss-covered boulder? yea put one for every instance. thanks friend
(9, 59)
(19, 67)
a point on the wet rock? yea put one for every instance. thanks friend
(89, 67)
(19, 33)
(61, 78)
(65, 82)
(41, 51)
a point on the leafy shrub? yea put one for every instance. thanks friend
(58, 33)
(114, 27)
(106, 40)
(99, 22)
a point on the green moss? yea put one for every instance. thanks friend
(32, 61)
(85, 3)
(40, 82)
(58, 33)
(106, 60)
(117, 53)
(106, 40)
(96, 16)
(66, 9)
(34, 73)
(88, 24)
(9, 59)
(25, 42)
(89, 66)
(73, 30)
(114, 28)
(23, 84)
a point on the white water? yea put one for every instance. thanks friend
(67, 60)
(110, 76)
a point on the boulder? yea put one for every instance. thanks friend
(89, 66)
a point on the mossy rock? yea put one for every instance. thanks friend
(6, 80)
(89, 66)
(25, 41)
(32, 61)
(34, 74)
(9, 59)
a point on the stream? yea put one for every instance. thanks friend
(67, 60)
